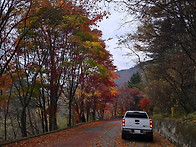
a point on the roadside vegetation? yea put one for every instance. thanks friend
(166, 35)
(55, 70)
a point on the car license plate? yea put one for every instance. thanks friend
(137, 131)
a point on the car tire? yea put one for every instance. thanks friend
(123, 135)
(151, 138)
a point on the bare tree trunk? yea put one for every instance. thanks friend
(6, 114)
(5, 123)
(12, 124)
(5, 118)
(30, 121)
(122, 110)
(72, 90)
(70, 108)
(23, 122)
(94, 109)
(52, 117)
(45, 121)
(41, 115)
(87, 111)
(115, 107)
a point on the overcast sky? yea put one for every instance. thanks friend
(111, 28)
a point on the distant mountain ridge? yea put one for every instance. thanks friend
(125, 75)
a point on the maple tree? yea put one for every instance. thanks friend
(56, 53)
(104, 84)
(104, 93)
(5, 97)
(127, 99)
(66, 41)
(145, 104)
(96, 80)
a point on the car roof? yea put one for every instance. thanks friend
(136, 111)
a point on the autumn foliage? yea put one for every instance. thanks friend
(166, 36)
(145, 104)
(56, 63)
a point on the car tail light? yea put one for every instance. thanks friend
(123, 122)
(151, 124)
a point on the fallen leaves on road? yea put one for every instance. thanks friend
(52, 137)
(159, 141)
(94, 134)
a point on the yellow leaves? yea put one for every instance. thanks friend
(103, 72)
(75, 21)
(39, 80)
(69, 19)
(97, 93)
(96, 48)
(89, 94)
(32, 21)
(96, 44)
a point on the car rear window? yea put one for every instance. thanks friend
(136, 115)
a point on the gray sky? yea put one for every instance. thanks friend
(111, 28)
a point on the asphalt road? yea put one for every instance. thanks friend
(108, 134)
(111, 137)
(94, 134)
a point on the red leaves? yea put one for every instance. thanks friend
(18, 51)
(145, 104)
(4, 104)
(79, 57)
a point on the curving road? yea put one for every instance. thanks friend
(111, 137)
(94, 134)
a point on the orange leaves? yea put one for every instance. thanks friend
(5, 82)
(114, 92)
(114, 75)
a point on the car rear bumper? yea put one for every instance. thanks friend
(137, 131)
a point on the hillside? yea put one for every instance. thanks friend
(124, 75)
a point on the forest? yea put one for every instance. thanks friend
(167, 35)
(55, 70)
